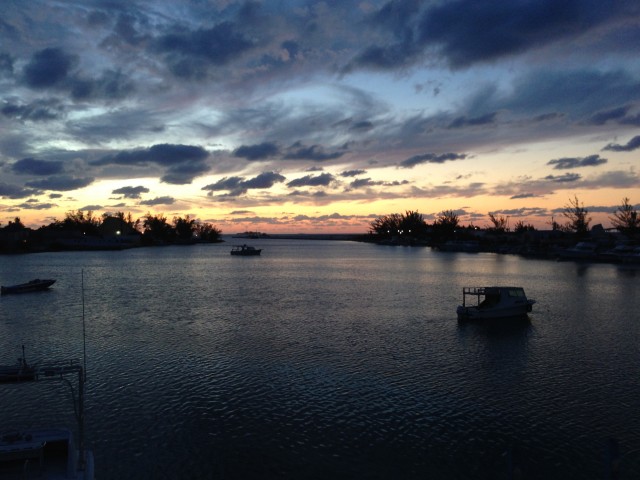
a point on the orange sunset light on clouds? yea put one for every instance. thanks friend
(310, 116)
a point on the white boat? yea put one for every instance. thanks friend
(493, 302)
(49, 453)
(581, 251)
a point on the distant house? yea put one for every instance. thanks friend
(115, 230)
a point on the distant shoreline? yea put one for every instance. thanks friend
(306, 236)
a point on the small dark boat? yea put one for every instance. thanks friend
(245, 250)
(20, 372)
(32, 286)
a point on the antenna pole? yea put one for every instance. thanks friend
(82, 378)
(84, 336)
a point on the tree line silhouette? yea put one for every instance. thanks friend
(84, 230)
(447, 224)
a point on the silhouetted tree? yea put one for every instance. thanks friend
(522, 227)
(413, 224)
(387, 225)
(184, 228)
(500, 224)
(445, 225)
(77, 221)
(577, 215)
(206, 232)
(14, 225)
(625, 219)
(157, 230)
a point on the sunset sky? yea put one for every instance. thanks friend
(318, 116)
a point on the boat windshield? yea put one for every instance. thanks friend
(516, 292)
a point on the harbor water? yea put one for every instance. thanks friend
(329, 360)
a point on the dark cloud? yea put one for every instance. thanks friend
(467, 31)
(6, 65)
(431, 158)
(631, 145)
(54, 68)
(61, 183)
(109, 85)
(523, 195)
(131, 192)
(14, 191)
(32, 166)
(298, 151)
(226, 183)
(48, 68)
(600, 118)
(239, 186)
(91, 208)
(364, 182)
(566, 178)
(362, 126)
(577, 93)
(567, 163)
(464, 121)
(352, 173)
(322, 180)
(183, 162)
(264, 180)
(184, 173)
(161, 154)
(37, 111)
(37, 206)
(189, 53)
(257, 152)
(159, 201)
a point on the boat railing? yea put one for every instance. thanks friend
(472, 291)
(58, 370)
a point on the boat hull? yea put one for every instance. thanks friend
(475, 313)
(32, 286)
(47, 453)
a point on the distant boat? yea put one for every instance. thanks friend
(581, 251)
(494, 302)
(245, 250)
(31, 286)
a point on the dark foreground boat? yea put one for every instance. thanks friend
(494, 302)
(245, 250)
(31, 286)
(48, 453)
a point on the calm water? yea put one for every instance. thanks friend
(329, 360)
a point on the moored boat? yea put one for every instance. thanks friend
(580, 251)
(494, 302)
(20, 372)
(49, 453)
(245, 250)
(31, 286)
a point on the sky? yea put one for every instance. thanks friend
(287, 116)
